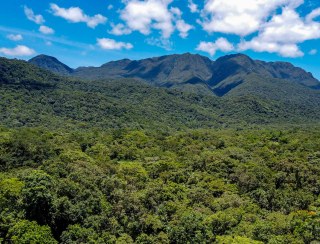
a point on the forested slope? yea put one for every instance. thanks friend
(33, 97)
(121, 161)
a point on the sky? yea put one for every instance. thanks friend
(90, 33)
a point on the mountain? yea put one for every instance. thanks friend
(31, 96)
(52, 64)
(220, 76)
(232, 71)
(165, 70)
(189, 72)
(21, 74)
(124, 161)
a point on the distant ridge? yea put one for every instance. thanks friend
(51, 64)
(237, 94)
(189, 71)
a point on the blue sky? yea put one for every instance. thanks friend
(90, 33)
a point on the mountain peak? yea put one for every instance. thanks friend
(238, 57)
(189, 70)
(188, 54)
(51, 63)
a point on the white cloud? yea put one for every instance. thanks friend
(110, 44)
(193, 7)
(289, 27)
(276, 24)
(176, 11)
(110, 6)
(313, 52)
(283, 49)
(240, 17)
(221, 44)
(76, 15)
(119, 29)
(19, 50)
(183, 28)
(46, 30)
(38, 19)
(314, 14)
(283, 33)
(48, 43)
(180, 24)
(145, 15)
(14, 37)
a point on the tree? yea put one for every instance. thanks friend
(26, 232)
(38, 196)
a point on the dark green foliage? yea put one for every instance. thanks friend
(198, 186)
(38, 195)
(24, 147)
(20, 74)
(39, 98)
(124, 162)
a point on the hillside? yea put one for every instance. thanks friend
(188, 72)
(130, 103)
(52, 64)
(125, 161)
(166, 70)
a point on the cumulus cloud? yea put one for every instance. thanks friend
(314, 14)
(289, 27)
(240, 17)
(276, 24)
(283, 33)
(193, 7)
(119, 29)
(183, 28)
(110, 44)
(76, 15)
(14, 37)
(180, 24)
(46, 30)
(143, 16)
(176, 11)
(148, 15)
(19, 50)
(38, 19)
(283, 49)
(221, 44)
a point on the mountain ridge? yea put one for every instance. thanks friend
(32, 96)
(187, 71)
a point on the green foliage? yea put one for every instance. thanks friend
(24, 147)
(37, 195)
(25, 232)
(235, 240)
(117, 162)
(78, 234)
(33, 97)
(198, 186)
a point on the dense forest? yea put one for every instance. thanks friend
(197, 186)
(32, 97)
(120, 161)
